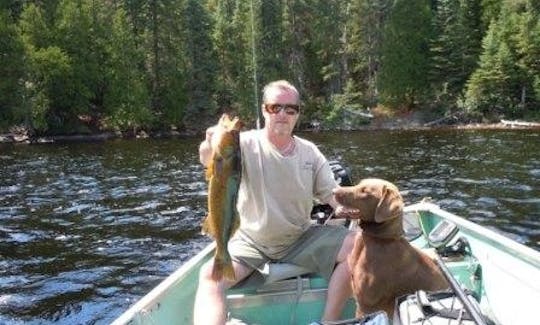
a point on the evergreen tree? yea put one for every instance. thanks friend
(314, 42)
(528, 51)
(163, 42)
(504, 83)
(126, 97)
(403, 77)
(236, 37)
(366, 19)
(490, 90)
(200, 67)
(490, 12)
(12, 72)
(454, 50)
(228, 49)
(79, 32)
(271, 61)
(49, 80)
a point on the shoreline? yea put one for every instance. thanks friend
(393, 125)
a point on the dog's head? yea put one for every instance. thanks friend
(376, 199)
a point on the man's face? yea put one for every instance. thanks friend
(279, 113)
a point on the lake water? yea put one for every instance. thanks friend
(88, 228)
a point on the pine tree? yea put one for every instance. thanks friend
(490, 88)
(236, 37)
(403, 78)
(271, 63)
(454, 49)
(126, 97)
(77, 32)
(366, 20)
(505, 81)
(49, 73)
(12, 72)
(200, 67)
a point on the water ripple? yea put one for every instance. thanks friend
(87, 229)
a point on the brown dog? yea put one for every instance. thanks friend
(383, 264)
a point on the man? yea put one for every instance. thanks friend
(281, 174)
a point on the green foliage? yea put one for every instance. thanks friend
(200, 67)
(49, 87)
(506, 80)
(366, 19)
(77, 32)
(12, 72)
(131, 65)
(403, 79)
(126, 96)
(454, 48)
(345, 110)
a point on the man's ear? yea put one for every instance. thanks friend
(390, 205)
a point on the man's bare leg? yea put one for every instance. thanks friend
(339, 286)
(210, 307)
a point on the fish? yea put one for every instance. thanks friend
(223, 176)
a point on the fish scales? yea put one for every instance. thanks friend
(223, 176)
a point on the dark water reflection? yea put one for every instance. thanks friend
(86, 229)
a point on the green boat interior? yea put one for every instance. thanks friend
(300, 298)
(492, 279)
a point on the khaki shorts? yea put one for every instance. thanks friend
(316, 250)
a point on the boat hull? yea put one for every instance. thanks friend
(501, 273)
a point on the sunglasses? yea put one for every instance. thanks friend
(289, 109)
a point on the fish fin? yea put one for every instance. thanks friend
(236, 224)
(223, 267)
(209, 172)
(228, 272)
(207, 227)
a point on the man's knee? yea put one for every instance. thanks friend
(205, 273)
(346, 247)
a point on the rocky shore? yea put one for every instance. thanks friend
(395, 123)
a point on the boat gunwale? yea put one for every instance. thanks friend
(503, 243)
(150, 299)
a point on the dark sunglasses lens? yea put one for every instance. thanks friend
(276, 108)
(292, 109)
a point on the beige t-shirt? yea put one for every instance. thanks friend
(276, 192)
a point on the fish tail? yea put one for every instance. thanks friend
(228, 272)
(223, 267)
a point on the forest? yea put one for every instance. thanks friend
(87, 66)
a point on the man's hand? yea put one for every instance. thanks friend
(213, 134)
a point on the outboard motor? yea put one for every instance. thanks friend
(342, 174)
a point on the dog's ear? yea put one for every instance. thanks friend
(390, 205)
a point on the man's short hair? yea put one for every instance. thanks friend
(281, 85)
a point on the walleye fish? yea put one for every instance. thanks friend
(223, 176)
